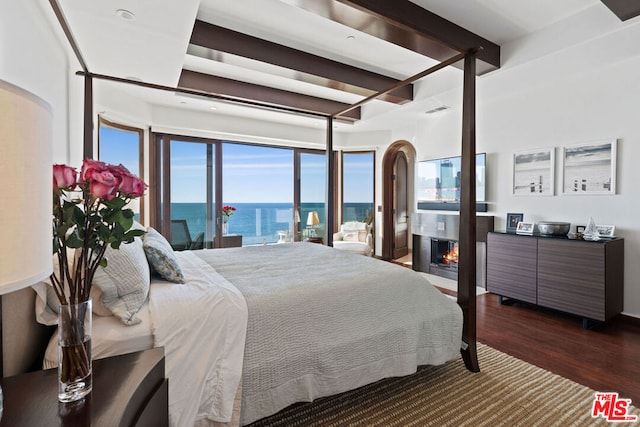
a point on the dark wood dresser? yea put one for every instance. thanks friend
(580, 277)
(128, 390)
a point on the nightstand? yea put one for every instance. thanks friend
(128, 390)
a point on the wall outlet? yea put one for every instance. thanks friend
(440, 226)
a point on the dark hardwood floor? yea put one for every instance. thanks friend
(606, 358)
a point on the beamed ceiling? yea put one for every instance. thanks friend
(313, 56)
(401, 23)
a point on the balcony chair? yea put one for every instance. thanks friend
(181, 237)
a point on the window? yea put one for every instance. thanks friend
(190, 193)
(119, 144)
(258, 182)
(358, 186)
(313, 184)
(198, 177)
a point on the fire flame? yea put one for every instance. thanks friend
(452, 256)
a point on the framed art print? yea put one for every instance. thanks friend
(533, 172)
(589, 168)
(606, 230)
(525, 228)
(512, 221)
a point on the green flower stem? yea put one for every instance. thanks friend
(75, 360)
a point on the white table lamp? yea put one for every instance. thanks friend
(25, 191)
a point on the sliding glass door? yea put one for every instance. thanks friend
(192, 186)
(257, 181)
(212, 193)
(313, 179)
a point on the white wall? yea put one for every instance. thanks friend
(32, 56)
(584, 92)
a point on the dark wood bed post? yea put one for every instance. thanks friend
(88, 118)
(467, 242)
(329, 202)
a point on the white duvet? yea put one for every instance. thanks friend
(202, 326)
(323, 321)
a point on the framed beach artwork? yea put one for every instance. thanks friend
(589, 168)
(533, 172)
(525, 228)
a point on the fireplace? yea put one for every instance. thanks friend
(435, 244)
(444, 257)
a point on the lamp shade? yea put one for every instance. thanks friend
(25, 189)
(313, 219)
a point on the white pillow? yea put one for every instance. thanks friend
(124, 282)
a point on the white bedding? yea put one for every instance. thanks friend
(202, 325)
(110, 338)
(204, 367)
(323, 321)
(320, 321)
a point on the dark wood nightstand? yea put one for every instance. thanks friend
(128, 390)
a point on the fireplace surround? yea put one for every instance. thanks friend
(435, 244)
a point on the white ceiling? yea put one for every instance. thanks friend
(153, 46)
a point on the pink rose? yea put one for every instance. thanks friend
(138, 187)
(130, 184)
(64, 176)
(103, 184)
(89, 166)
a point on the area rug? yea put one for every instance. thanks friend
(507, 392)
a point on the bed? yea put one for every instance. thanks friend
(280, 324)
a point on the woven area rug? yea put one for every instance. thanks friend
(507, 392)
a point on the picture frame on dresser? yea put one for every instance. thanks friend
(534, 172)
(606, 231)
(589, 168)
(512, 222)
(525, 228)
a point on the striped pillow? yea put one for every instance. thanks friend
(124, 282)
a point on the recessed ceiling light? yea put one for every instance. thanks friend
(214, 108)
(126, 15)
(351, 37)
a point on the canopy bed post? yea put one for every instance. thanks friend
(88, 118)
(467, 261)
(329, 202)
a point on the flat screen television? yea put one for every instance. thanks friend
(439, 183)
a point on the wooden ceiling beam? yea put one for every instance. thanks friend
(242, 90)
(406, 24)
(332, 74)
(623, 9)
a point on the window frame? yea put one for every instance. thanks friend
(102, 122)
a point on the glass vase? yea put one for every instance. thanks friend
(74, 351)
(225, 228)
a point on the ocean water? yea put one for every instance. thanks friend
(259, 223)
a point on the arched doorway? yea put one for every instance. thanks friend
(397, 198)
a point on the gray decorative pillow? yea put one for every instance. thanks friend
(124, 282)
(161, 257)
